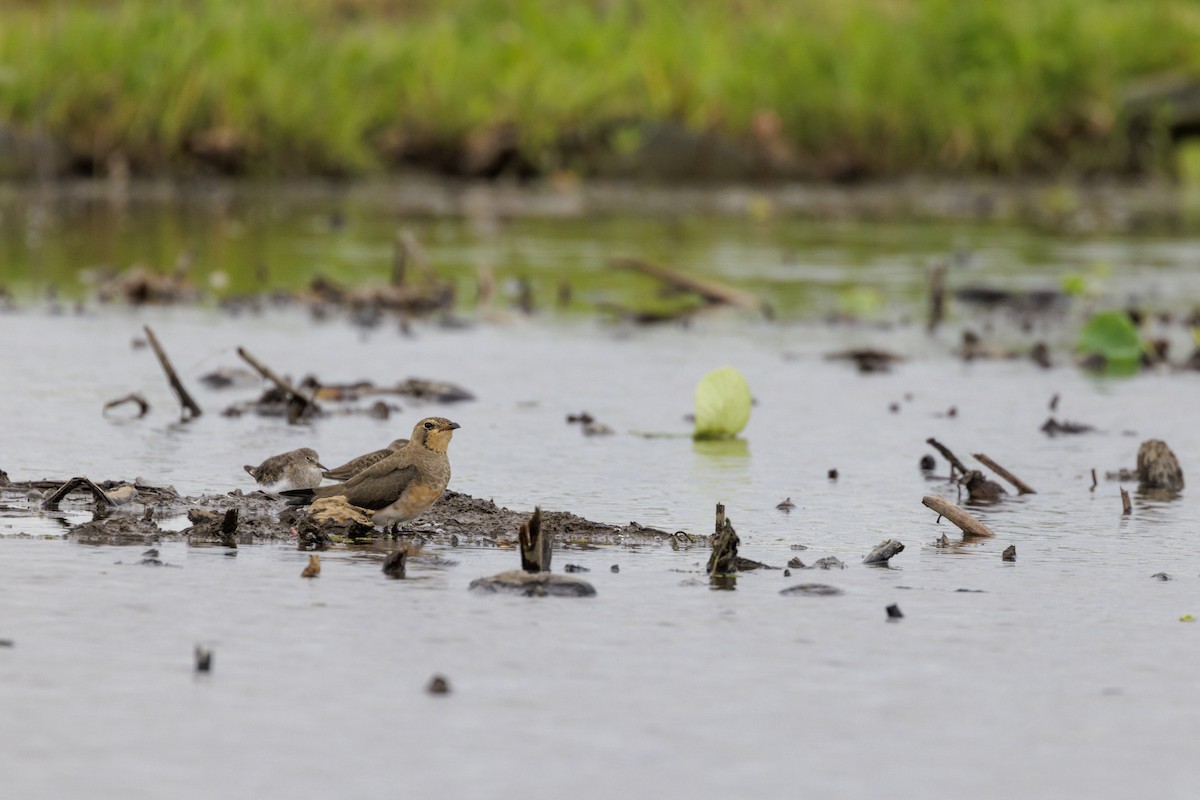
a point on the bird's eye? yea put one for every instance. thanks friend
(428, 426)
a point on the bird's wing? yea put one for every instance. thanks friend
(374, 488)
(356, 465)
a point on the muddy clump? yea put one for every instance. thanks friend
(1157, 467)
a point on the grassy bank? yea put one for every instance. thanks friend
(822, 88)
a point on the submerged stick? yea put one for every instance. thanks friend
(1022, 486)
(710, 290)
(189, 408)
(1094, 481)
(135, 398)
(309, 405)
(965, 521)
(1126, 505)
(945, 451)
(535, 546)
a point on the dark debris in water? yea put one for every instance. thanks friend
(816, 589)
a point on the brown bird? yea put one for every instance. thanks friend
(357, 465)
(401, 486)
(297, 469)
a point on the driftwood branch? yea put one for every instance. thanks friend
(536, 546)
(1126, 505)
(140, 401)
(189, 407)
(1022, 486)
(965, 521)
(712, 291)
(102, 499)
(308, 405)
(945, 451)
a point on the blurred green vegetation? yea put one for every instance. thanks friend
(824, 87)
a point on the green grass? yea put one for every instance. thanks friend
(878, 87)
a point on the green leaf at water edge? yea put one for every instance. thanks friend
(1113, 335)
(722, 404)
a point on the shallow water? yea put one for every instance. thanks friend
(1068, 673)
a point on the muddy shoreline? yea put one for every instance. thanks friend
(456, 519)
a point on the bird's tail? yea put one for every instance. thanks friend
(299, 497)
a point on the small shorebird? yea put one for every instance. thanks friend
(296, 469)
(401, 486)
(357, 465)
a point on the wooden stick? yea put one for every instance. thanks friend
(1094, 481)
(53, 500)
(1127, 507)
(1022, 486)
(937, 296)
(536, 546)
(309, 404)
(189, 409)
(966, 522)
(945, 451)
(408, 248)
(710, 290)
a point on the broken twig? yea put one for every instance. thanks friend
(308, 405)
(189, 408)
(945, 451)
(102, 499)
(135, 398)
(712, 291)
(1126, 505)
(1022, 486)
(965, 521)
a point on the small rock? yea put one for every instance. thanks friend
(786, 505)
(575, 568)
(7, 643)
(823, 589)
(314, 567)
(829, 562)
(883, 551)
(204, 658)
(438, 685)
(615, 568)
(787, 573)
(1162, 576)
(928, 463)
(894, 612)
(833, 474)
(1010, 553)
(799, 547)
(796, 563)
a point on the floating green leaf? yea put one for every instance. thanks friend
(1113, 335)
(722, 404)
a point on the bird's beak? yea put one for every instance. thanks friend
(452, 426)
(322, 466)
